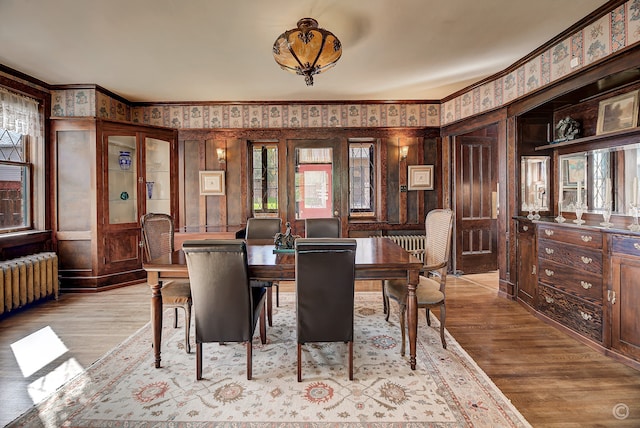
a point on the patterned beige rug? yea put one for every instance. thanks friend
(124, 389)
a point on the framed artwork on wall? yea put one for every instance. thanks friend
(420, 177)
(212, 183)
(618, 113)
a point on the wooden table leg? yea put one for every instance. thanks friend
(270, 305)
(412, 315)
(156, 314)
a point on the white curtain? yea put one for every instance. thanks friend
(19, 113)
(22, 114)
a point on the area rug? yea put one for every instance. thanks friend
(124, 389)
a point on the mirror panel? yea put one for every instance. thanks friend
(600, 178)
(534, 190)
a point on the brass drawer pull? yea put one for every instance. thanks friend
(548, 232)
(548, 250)
(586, 260)
(585, 316)
(586, 238)
(525, 228)
(636, 246)
(586, 285)
(533, 270)
(549, 272)
(548, 299)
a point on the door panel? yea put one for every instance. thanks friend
(476, 223)
(313, 181)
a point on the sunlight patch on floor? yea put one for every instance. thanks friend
(49, 383)
(35, 351)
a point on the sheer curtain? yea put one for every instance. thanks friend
(19, 114)
(22, 114)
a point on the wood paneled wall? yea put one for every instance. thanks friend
(399, 210)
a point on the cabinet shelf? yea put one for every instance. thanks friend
(612, 136)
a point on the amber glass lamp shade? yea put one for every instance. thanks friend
(307, 50)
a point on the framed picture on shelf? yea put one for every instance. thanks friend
(573, 171)
(420, 177)
(618, 113)
(212, 183)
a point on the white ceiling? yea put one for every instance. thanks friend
(220, 50)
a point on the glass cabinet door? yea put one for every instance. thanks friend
(122, 165)
(158, 179)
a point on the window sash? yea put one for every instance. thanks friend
(362, 178)
(265, 179)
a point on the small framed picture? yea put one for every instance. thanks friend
(573, 171)
(420, 177)
(212, 183)
(618, 113)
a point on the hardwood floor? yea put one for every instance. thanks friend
(551, 378)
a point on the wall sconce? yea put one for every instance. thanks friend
(222, 155)
(404, 151)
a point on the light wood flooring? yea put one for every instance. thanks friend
(551, 378)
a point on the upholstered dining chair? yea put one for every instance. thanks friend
(322, 227)
(157, 238)
(265, 228)
(226, 306)
(430, 290)
(325, 277)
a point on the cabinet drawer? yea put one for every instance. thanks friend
(571, 312)
(525, 228)
(576, 257)
(579, 283)
(625, 245)
(582, 237)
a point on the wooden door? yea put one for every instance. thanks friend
(476, 172)
(314, 182)
(527, 264)
(625, 313)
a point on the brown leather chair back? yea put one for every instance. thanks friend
(263, 228)
(224, 303)
(325, 276)
(157, 234)
(322, 227)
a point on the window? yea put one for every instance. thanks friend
(601, 170)
(15, 182)
(265, 178)
(361, 177)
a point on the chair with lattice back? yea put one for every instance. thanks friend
(430, 291)
(157, 238)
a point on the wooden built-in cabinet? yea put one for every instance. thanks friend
(587, 282)
(106, 175)
(580, 277)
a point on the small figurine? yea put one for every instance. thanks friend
(567, 129)
(286, 240)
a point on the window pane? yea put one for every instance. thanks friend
(14, 185)
(265, 179)
(361, 178)
(11, 146)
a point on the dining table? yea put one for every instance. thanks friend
(376, 259)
